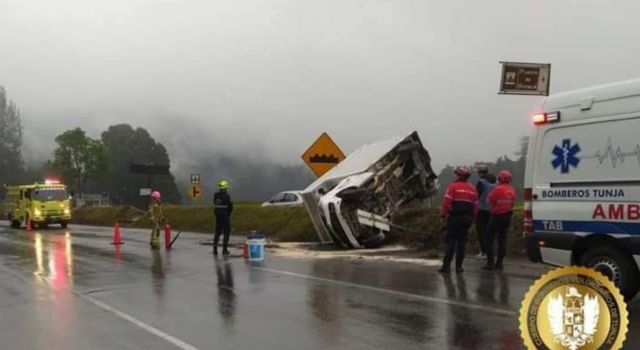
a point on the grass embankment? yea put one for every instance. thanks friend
(426, 231)
(284, 224)
(288, 224)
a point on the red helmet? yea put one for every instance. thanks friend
(462, 172)
(155, 195)
(504, 176)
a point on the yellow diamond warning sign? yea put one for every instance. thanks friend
(323, 155)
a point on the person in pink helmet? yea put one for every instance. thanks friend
(157, 219)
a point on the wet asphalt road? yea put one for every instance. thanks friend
(73, 290)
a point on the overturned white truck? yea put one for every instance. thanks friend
(352, 205)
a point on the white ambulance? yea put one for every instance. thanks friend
(582, 182)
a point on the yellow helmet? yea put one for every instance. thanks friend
(223, 184)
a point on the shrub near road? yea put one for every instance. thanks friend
(426, 231)
(287, 224)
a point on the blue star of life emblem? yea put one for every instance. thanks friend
(566, 156)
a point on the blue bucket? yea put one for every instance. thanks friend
(256, 243)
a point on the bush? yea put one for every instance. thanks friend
(426, 231)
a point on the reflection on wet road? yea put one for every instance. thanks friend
(73, 290)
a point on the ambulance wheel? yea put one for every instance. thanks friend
(64, 224)
(618, 266)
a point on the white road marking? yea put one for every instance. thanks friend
(122, 315)
(145, 326)
(405, 295)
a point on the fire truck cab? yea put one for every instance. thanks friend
(41, 203)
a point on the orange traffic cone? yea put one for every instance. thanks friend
(245, 251)
(29, 228)
(117, 240)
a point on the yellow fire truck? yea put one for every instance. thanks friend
(42, 203)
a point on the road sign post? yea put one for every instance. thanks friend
(323, 155)
(520, 78)
(150, 170)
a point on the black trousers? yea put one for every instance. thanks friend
(223, 227)
(456, 238)
(498, 229)
(482, 223)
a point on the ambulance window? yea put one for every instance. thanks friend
(590, 152)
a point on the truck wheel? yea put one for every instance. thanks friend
(618, 266)
(64, 224)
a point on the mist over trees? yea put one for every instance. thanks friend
(126, 145)
(11, 161)
(79, 159)
(250, 179)
(516, 166)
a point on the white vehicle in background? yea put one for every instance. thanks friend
(353, 204)
(582, 182)
(285, 198)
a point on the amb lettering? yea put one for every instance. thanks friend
(617, 212)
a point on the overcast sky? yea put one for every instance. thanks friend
(265, 77)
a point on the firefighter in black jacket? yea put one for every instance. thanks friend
(223, 207)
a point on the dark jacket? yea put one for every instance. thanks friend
(222, 204)
(485, 184)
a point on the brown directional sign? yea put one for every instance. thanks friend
(323, 155)
(525, 78)
(194, 191)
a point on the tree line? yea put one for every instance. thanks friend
(86, 164)
(101, 165)
(516, 166)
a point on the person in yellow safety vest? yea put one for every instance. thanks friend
(157, 219)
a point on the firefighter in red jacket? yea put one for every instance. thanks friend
(501, 201)
(459, 210)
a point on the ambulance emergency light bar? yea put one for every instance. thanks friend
(546, 118)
